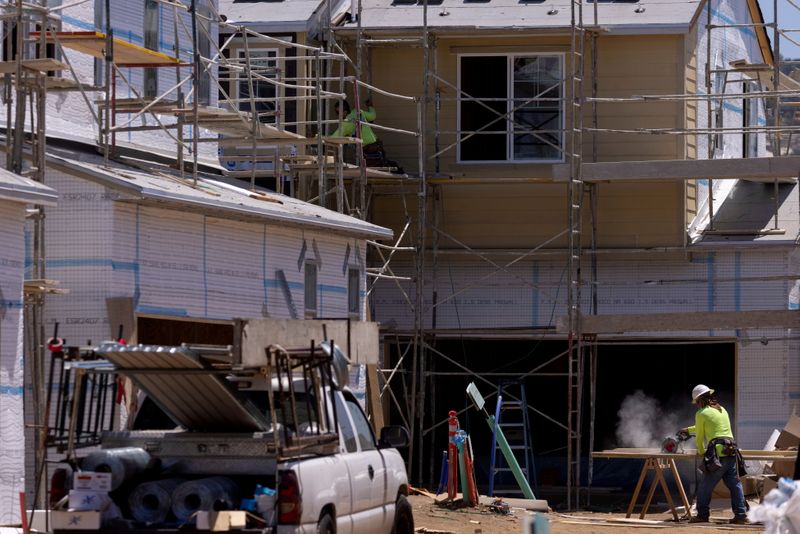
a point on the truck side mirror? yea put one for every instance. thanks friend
(394, 436)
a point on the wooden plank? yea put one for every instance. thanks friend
(785, 168)
(689, 321)
(646, 454)
(374, 398)
(94, 44)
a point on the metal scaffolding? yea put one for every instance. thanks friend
(416, 351)
(306, 163)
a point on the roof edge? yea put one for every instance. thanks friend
(143, 193)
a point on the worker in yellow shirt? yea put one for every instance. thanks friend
(371, 147)
(721, 457)
(348, 127)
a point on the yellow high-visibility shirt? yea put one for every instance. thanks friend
(348, 128)
(710, 423)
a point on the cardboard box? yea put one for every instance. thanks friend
(65, 520)
(790, 435)
(783, 468)
(82, 500)
(221, 521)
(749, 486)
(768, 485)
(91, 481)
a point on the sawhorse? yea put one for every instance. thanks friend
(659, 465)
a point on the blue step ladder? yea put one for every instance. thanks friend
(511, 415)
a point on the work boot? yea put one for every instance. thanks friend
(739, 520)
(698, 519)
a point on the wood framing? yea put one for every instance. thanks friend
(688, 321)
(784, 168)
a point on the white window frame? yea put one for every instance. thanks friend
(255, 53)
(509, 98)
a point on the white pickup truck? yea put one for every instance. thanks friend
(326, 471)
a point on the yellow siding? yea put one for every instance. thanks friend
(506, 215)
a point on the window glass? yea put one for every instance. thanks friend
(353, 292)
(348, 435)
(263, 64)
(537, 106)
(311, 290)
(511, 108)
(363, 428)
(151, 23)
(750, 119)
(483, 103)
(204, 47)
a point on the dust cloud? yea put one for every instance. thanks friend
(644, 423)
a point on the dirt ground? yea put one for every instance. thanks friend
(431, 518)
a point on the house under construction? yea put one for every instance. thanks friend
(600, 196)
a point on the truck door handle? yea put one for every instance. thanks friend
(371, 472)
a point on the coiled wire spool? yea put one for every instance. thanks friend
(206, 494)
(123, 463)
(151, 502)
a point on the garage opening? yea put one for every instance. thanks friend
(663, 371)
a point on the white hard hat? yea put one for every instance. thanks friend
(700, 389)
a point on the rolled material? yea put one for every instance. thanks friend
(206, 494)
(123, 463)
(151, 502)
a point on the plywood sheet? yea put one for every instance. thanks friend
(258, 334)
(94, 44)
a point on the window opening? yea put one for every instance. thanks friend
(511, 108)
(354, 292)
(750, 120)
(204, 47)
(151, 41)
(311, 290)
(264, 63)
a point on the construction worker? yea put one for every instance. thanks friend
(371, 147)
(348, 118)
(721, 456)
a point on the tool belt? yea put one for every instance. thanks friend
(711, 462)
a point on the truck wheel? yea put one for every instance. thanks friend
(326, 525)
(403, 517)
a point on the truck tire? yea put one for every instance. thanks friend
(326, 525)
(403, 517)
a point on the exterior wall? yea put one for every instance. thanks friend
(180, 263)
(193, 265)
(12, 430)
(79, 238)
(67, 112)
(525, 214)
(727, 45)
(532, 293)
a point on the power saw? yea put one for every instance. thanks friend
(674, 444)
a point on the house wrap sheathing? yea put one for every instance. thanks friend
(213, 251)
(16, 193)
